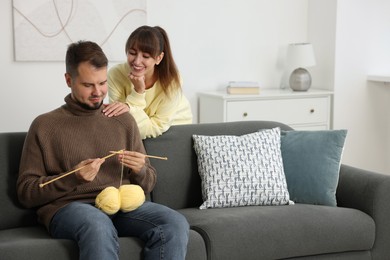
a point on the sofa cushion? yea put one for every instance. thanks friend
(311, 162)
(241, 170)
(278, 232)
(35, 243)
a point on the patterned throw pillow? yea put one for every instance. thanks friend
(241, 170)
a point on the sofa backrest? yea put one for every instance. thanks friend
(178, 182)
(12, 213)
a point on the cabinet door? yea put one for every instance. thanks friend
(288, 111)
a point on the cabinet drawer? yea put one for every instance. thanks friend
(287, 111)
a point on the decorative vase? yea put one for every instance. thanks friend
(300, 80)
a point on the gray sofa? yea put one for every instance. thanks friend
(359, 228)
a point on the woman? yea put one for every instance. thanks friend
(149, 84)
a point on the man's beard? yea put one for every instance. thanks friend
(94, 107)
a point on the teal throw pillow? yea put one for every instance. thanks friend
(311, 161)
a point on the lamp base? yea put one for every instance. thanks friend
(300, 80)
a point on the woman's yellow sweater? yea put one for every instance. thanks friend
(153, 110)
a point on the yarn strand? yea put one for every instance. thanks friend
(122, 169)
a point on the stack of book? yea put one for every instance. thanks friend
(243, 87)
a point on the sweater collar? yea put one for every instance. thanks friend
(76, 109)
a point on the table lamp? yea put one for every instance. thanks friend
(299, 57)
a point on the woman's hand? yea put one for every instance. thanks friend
(115, 109)
(133, 160)
(138, 82)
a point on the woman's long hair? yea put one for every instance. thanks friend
(154, 40)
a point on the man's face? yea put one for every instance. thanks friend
(89, 88)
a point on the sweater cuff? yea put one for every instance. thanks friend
(135, 99)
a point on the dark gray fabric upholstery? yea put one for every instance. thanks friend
(274, 232)
(359, 228)
(35, 243)
(359, 255)
(369, 192)
(11, 145)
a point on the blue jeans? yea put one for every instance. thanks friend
(164, 231)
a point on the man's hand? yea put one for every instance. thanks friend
(133, 160)
(115, 109)
(91, 169)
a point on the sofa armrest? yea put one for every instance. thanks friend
(369, 192)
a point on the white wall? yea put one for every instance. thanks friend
(362, 107)
(27, 88)
(218, 41)
(221, 40)
(213, 42)
(322, 34)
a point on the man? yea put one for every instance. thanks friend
(77, 135)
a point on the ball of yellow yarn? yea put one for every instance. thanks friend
(132, 196)
(108, 200)
(127, 198)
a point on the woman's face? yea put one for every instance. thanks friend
(142, 63)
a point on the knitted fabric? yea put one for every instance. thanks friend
(59, 140)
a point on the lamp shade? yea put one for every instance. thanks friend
(300, 55)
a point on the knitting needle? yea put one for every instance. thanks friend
(157, 157)
(68, 173)
(150, 156)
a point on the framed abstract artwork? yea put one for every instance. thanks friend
(44, 28)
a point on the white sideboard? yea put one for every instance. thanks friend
(308, 110)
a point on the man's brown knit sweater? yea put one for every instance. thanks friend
(57, 141)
